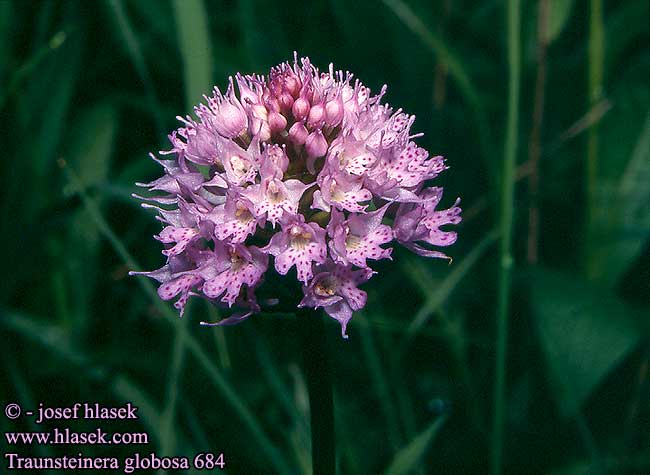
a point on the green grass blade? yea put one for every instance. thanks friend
(623, 218)
(560, 15)
(62, 69)
(200, 438)
(30, 65)
(168, 443)
(447, 286)
(513, 15)
(148, 413)
(196, 51)
(301, 434)
(273, 378)
(437, 46)
(89, 150)
(380, 381)
(220, 340)
(455, 66)
(408, 458)
(275, 457)
(595, 93)
(137, 58)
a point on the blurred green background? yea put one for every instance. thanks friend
(88, 88)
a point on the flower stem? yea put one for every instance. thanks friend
(534, 144)
(318, 372)
(506, 225)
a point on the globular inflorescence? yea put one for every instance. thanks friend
(302, 172)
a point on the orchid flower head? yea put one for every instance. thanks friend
(302, 173)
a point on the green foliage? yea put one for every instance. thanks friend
(623, 212)
(584, 333)
(89, 151)
(560, 14)
(195, 48)
(408, 458)
(87, 89)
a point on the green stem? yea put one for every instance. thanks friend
(534, 144)
(506, 225)
(318, 372)
(596, 61)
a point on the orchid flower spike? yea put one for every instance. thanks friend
(303, 173)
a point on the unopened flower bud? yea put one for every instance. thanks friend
(298, 133)
(316, 145)
(277, 121)
(334, 112)
(316, 115)
(300, 108)
(231, 120)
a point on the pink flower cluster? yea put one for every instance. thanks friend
(312, 168)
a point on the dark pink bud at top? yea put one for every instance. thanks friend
(277, 121)
(298, 133)
(316, 145)
(300, 108)
(316, 115)
(334, 111)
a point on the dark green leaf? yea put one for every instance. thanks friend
(584, 334)
(623, 213)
